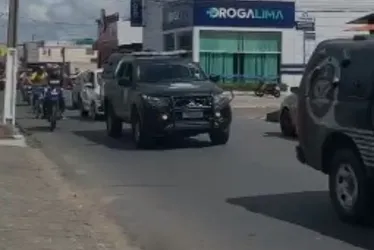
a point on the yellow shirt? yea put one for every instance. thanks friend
(39, 78)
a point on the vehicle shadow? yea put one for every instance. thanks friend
(126, 143)
(311, 210)
(279, 135)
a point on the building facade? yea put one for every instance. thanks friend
(113, 34)
(244, 41)
(78, 56)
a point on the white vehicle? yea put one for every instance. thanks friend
(287, 117)
(79, 80)
(90, 104)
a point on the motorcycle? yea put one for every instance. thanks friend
(37, 100)
(268, 89)
(53, 96)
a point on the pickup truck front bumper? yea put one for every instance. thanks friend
(163, 122)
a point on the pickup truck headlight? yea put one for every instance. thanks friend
(223, 98)
(156, 101)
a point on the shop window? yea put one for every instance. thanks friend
(245, 57)
(169, 42)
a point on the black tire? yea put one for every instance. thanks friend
(92, 113)
(219, 136)
(53, 118)
(285, 121)
(113, 124)
(83, 113)
(359, 212)
(139, 136)
(276, 93)
(259, 93)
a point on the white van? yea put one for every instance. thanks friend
(90, 104)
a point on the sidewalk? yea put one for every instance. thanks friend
(40, 211)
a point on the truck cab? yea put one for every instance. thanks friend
(163, 94)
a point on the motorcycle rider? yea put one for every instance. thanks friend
(38, 79)
(55, 76)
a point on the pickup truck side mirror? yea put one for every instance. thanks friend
(214, 78)
(125, 82)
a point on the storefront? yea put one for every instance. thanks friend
(242, 41)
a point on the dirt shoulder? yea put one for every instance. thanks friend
(39, 210)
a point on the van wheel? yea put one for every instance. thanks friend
(286, 125)
(219, 136)
(92, 112)
(140, 137)
(83, 113)
(113, 124)
(349, 187)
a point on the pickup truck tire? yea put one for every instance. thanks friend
(347, 179)
(285, 122)
(140, 137)
(219, 136)
(113, 124)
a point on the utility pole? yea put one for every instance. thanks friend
(9, 113)
(63, 55)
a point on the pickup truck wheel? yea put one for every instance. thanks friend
(285, 121)
(219, 136)
(113, 124)
(139, 136)
(350, 188)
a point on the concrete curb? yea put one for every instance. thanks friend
(273, 116)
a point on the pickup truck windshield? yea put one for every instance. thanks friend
(166, 71)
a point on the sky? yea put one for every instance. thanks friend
(59, 19)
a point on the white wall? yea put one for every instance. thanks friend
(127, 34)
(152, 31)
(72, 54)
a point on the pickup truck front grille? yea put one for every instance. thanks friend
(192, 102)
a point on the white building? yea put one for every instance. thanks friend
(128, 35)
(247, 39)
(79, 56)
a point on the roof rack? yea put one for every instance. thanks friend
(160, 53)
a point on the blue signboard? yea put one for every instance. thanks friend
(266, 14)
(177, 15)
(136, 15)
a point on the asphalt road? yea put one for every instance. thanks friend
(249, 194)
